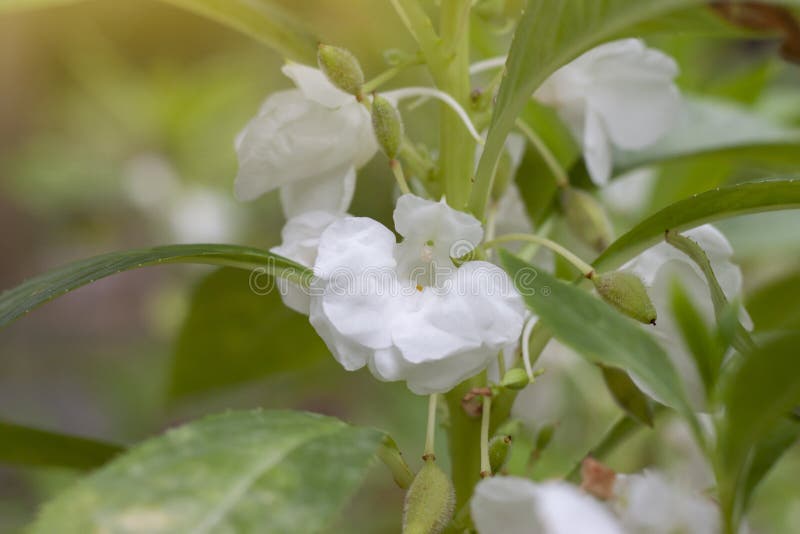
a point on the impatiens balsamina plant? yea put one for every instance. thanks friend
(483, 275)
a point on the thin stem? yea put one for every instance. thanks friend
(486, 468)
(397, 169)
(452, 103)
(487, 64)
(388, 74)
(419, 24)
(585, 269)
(416, 162)
(526, 350)
(501, 364)
(430, 433)
(560, 175)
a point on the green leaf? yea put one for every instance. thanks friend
(234, 335)
(257, 471)
(597, 331)
(36, 291)
(22, 445)
(776, 305)
(265, 20)
(627, 395)
(757, 395)
(549, 35)
(741, 199)
(766, 453)
(705, 351)
(710, 127)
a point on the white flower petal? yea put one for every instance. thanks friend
(421, 220)
(596, 149)
(348, 353)
(505, 505)
(355, 245)
(315, 86)
(331, 192)
(565, 509)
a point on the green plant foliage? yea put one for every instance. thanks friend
(752, 197)
(776, 305)
(597, 331)
(22, 445)
(36, 291)
(233, 335)
(627, 395)
(256, 471)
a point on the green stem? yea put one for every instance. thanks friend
(397, 169)
(486, 416)
(464, 441)
(430, 431)
(388, 74)
(581, 265)
(560, 175)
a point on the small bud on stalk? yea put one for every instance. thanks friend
(499, 447)
(341, 68)
(430, 501)
(515, 379)
(388, 126)
(626, 292)
(586, 218)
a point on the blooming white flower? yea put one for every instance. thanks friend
(514, 505)
(308, 142)
(659, 267)
(404, 309)
(650, 503)
(619, 93)
(300, 240)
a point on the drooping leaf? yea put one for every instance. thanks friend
(757, 396)
(265, 20)
(597, 331)
(22, 445)
(627, 395)
(257, 471)
(234, 334)
(705, 351)
(36, 291)
(740, 199)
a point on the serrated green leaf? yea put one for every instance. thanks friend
(257, 471)
(741, 199)
(597, 332)
(22, 445)
(36, 291)
(234, 335)
(757, 395)
(265, 20)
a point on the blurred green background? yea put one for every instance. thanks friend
(117, 121)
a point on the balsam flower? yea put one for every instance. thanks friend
(300, 240)
(404, 309)
(620, 93)
(308, 142)
(660, 267)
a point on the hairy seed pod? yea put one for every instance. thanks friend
(388, 126)
(430, 501)
(626, 292)
(499, 447)
(341, 68)
(586, 218)
(515, 379)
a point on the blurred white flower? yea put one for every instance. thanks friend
(650, 503)
(659, 267)
(308, 142)
(300, 242)
(404, 309)
(512, 505)
(202, 215)
(619, 93)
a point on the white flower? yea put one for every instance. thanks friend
(308, 142)
(651, 504)
(511, 505)
(659, 267)
(300, 240)
(619, 93)
(404, 309)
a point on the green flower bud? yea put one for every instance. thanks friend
(341, 68)
(430, 501)
(498, 452)
(388, 126)
(626, 292)
(586, 218)
(515, 378)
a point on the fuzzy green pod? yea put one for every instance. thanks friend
(586, 218)
(430, 501)
(341, 68)
(499, 446)
(515, 379)
(626, 292)
(388, 126)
